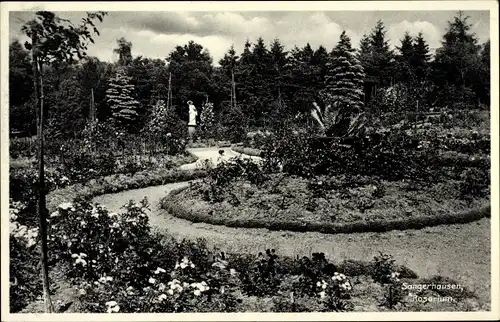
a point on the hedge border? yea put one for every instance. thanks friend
(172, 204)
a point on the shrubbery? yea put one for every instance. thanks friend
(218, 178)
(117, 264)
(391, 155)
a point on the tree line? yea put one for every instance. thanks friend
(272, 83)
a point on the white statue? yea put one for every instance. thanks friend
(192, 114)
(192, 119)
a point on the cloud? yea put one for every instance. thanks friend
(156, 34)
(430, 32)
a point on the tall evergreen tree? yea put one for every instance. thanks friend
(421, 57)
(364, 53)
(319, 61)
(457, 62)
(301, 80)
(381, 55)
(375, 55)
(278, 57)
(404, 59)
(343, 94)
(120, 97)
(229, 62)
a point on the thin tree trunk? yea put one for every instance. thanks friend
(41, 209)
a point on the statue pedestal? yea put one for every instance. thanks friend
(191, 131)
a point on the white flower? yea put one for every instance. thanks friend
(171, 292)
(152, 280)
(192, 265)
(322, 294)
(81, 261)
(177, 265)
(161, 287)
(95, 213)
(318, 284)
(54, 214)
(66, 206)
(159, 270)
(232, 271)
(112, 306)
(162, 297)
(197, 292)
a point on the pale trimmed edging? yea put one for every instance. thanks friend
(174, 207)
(247, 151)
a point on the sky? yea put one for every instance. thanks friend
(155, 34)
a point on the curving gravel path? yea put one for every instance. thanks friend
(461, 252)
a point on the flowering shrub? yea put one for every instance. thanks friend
(383, 267)
(82, 165)
(335, 292)
(118, 265)
(225, 172)
(23, 259)
(387, 274)
(22, 188)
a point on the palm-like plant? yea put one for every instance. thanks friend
(342, 97)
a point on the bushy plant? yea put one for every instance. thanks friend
(23, 184)
(219, 177)
(386, 273)
(119, 265)
(82, 166)
(261, 276)
(23, 260)
(475, 183)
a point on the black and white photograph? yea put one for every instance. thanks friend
(314, 158)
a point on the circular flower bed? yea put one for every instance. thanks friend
(329, 205)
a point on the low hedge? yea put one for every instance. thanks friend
(247, 151)
(120, 182)
(174, 206)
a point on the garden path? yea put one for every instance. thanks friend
(461, 251)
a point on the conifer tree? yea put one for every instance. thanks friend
(457, 62)
(375, 55)
(120, 98)
(421, 57)
(365, 53)
(405, 59)
(343, 93)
